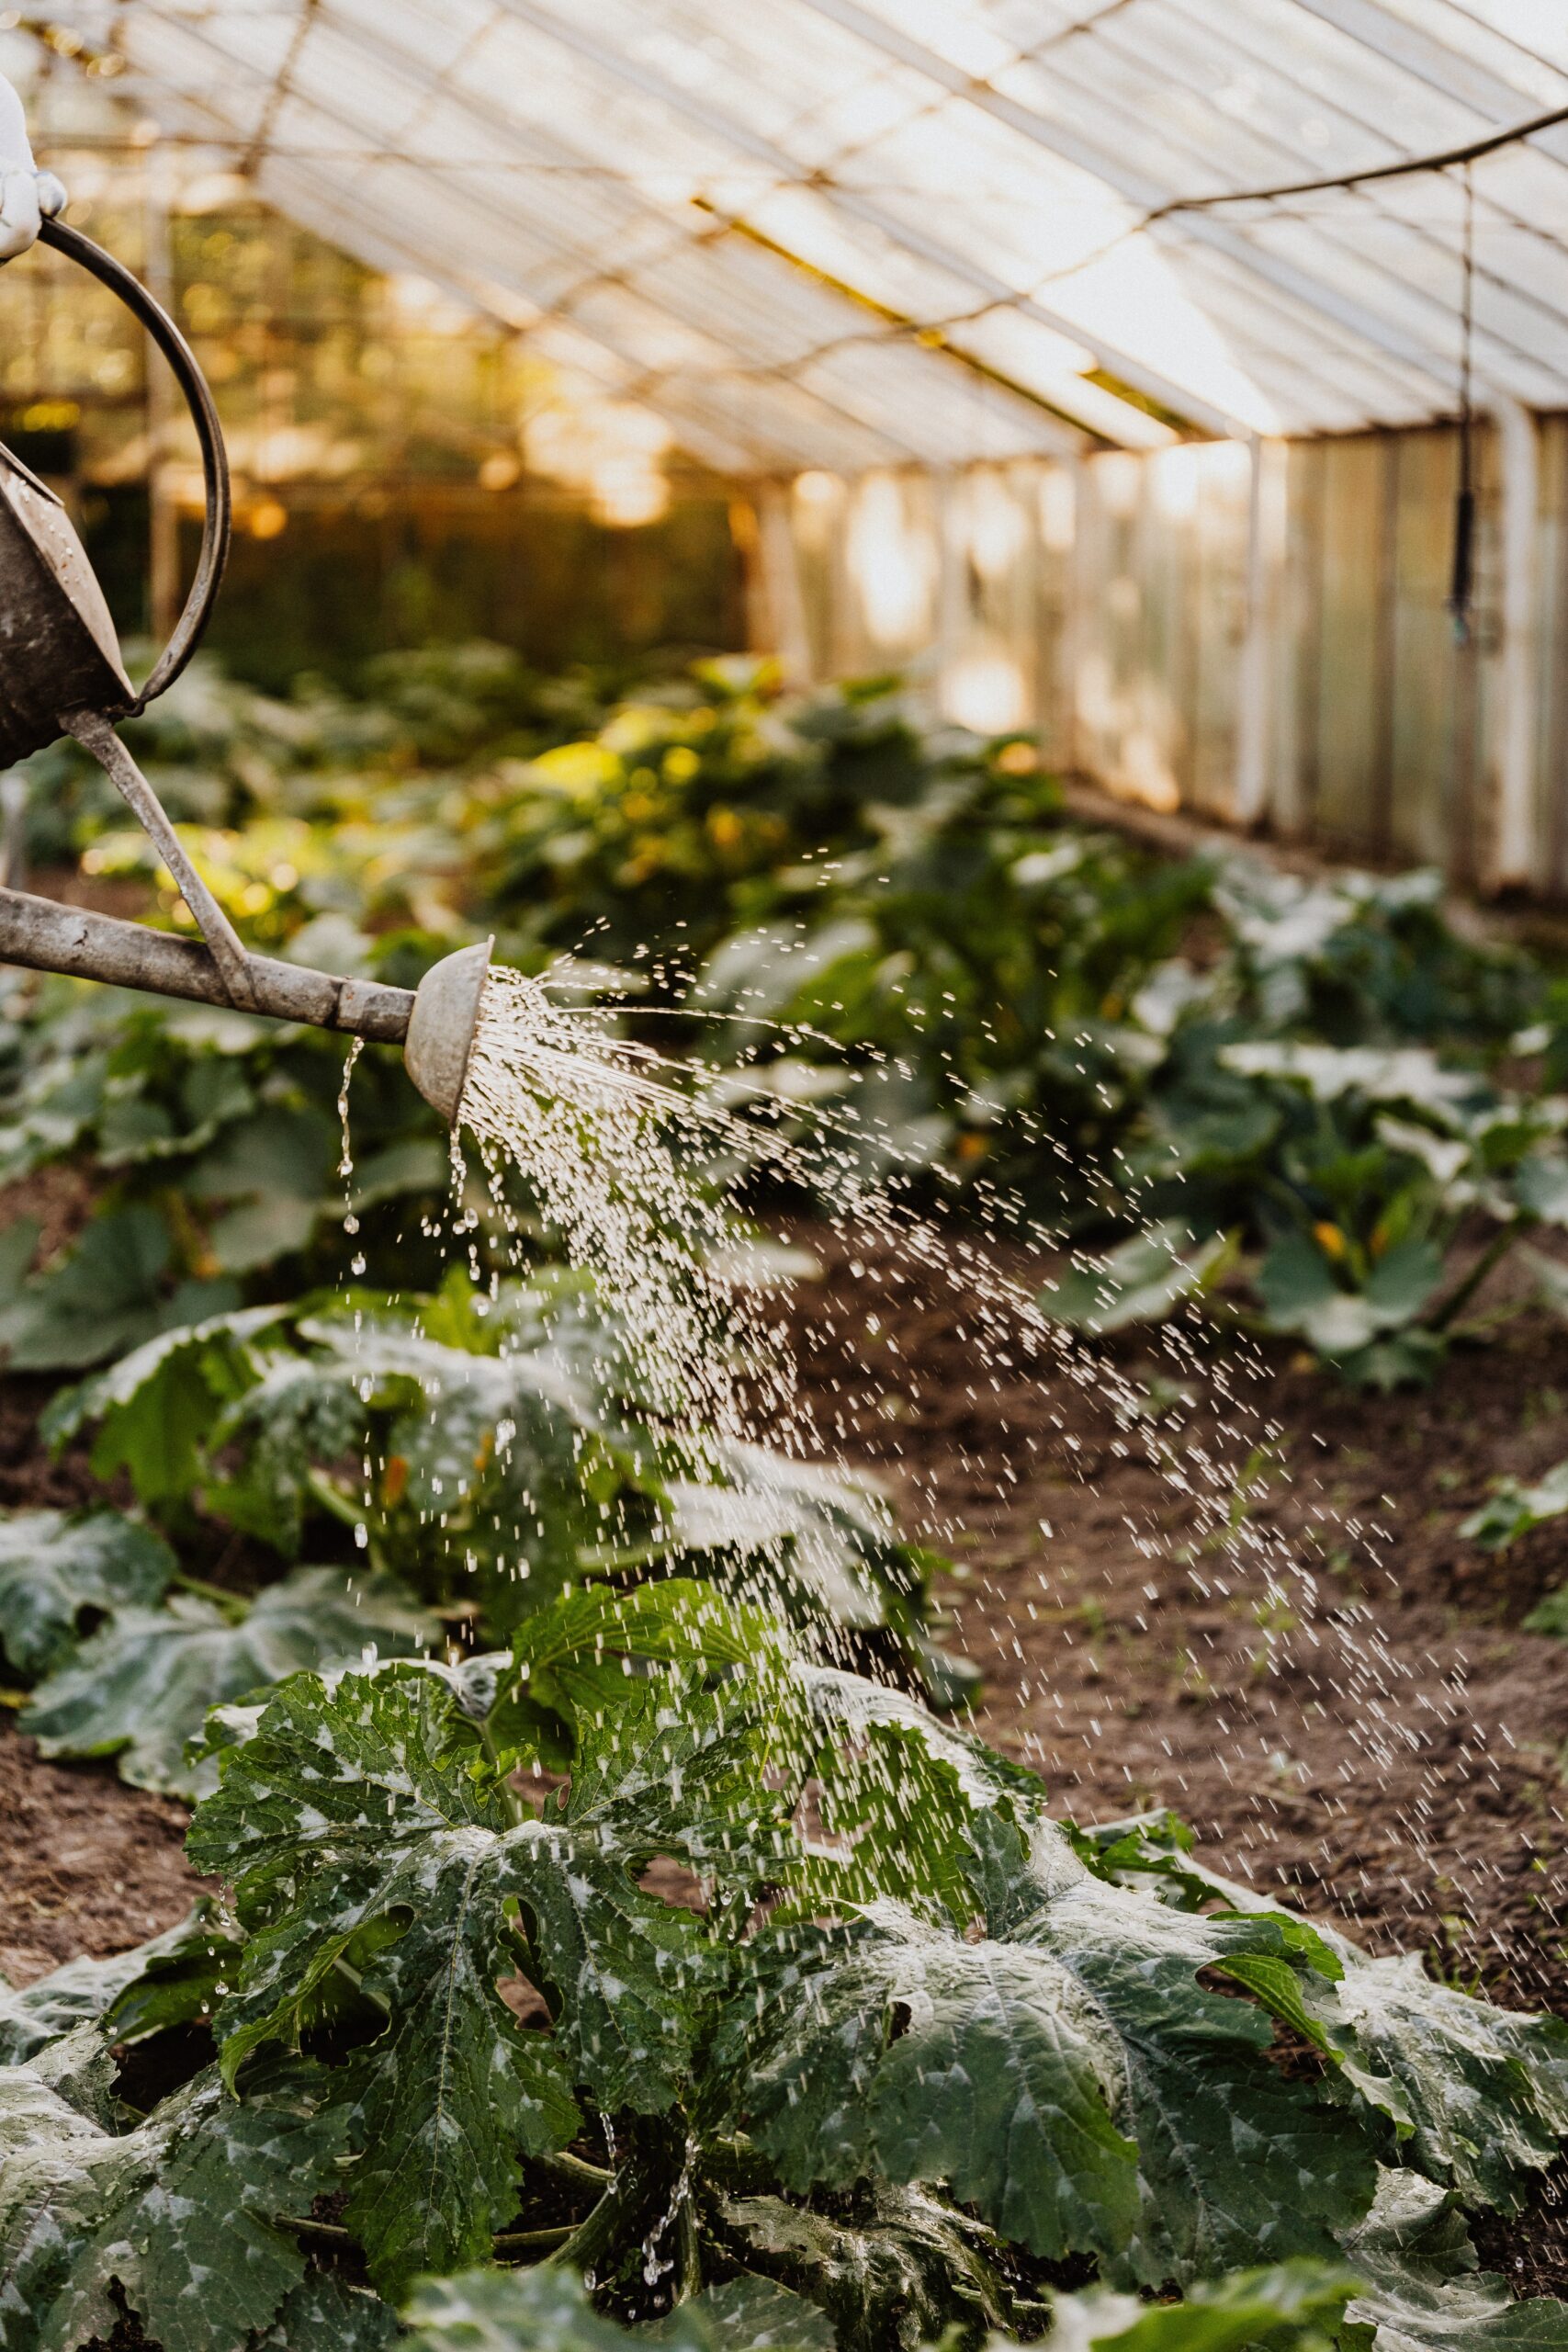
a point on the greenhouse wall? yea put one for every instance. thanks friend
(1255, 635)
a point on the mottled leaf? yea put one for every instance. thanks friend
(180, 2216)
(355, 1832)
(1422, 2290)
(548, 2311)
(55, 1569)
(1064, 2073)
(139, 1688)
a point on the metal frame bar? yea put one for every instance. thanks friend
(418, 259)
(683, 104)
(1089, 156)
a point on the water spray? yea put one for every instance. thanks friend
(61, 673)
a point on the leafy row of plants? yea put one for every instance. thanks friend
(647, 1952)
(897, 929)
(448, 1464)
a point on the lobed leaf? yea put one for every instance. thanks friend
(179, 2217)
(140, 1687)
(1065, 2073)
(55, 1568)
(357, 1837)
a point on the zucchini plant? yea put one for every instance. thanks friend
(648, 1953)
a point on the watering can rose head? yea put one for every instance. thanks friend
(28, 197)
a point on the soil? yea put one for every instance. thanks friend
(1333, 1690)
(1335, 1695)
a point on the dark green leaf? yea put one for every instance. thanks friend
(180, 2216)
(351, 1811)
(54, 1569)
(548, 2311)
(140, 1687)
(1066, 2073)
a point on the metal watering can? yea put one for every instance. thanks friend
(61, 674)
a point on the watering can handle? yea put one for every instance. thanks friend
(217, 529)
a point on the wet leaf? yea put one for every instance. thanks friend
(139, 1688)
(55, 1570)
(179, 2216)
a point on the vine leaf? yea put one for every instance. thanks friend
(1481, 2092)
(548, 2311)
(1421, 2288)
(1292, 2307)
(54, 1568)
(138, 1986)
(899, 2271)
(359, 1837)
(1064, 2073)
(179, 2216)
(322, 2314)
(154, 1407)
(140, 1687)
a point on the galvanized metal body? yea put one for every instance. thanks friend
(61, 672)
(441, 1031)
(58, 648)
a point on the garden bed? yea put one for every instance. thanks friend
(1128, 1678)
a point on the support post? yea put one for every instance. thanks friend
(1264, 525)
(778, 581)
(1513, 849)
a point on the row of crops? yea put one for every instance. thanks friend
(624, 1934)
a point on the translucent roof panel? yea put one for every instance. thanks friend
(855, 233)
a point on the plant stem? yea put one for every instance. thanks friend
(234, 1605)
(576, 2168)
(509, 2242)
(1496, 1250)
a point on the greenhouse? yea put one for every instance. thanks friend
(784, 1176)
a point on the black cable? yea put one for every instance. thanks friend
(1447, 161)
(1463, 581)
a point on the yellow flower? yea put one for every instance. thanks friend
(1329, 1239)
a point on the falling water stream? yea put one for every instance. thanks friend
(616, 1146)
(614, 1139)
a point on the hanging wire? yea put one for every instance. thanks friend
(1462, 579)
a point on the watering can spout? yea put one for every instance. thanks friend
(434, 1023)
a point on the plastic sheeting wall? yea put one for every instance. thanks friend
(1119, 607)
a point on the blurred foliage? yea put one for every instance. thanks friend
(897, 931)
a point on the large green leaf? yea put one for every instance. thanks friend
(110, 1291)
(139, 1688)
(1065, 2071)
(142, 1979)
(156, 1407)
(55, 1569)
(1422, 2290)
(180, 2216)
(347, 1820)
(548, 2311)
(1481, 2092)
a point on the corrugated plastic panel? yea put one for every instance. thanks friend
(671, 181)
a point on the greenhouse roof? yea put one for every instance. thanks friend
(846, 233)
